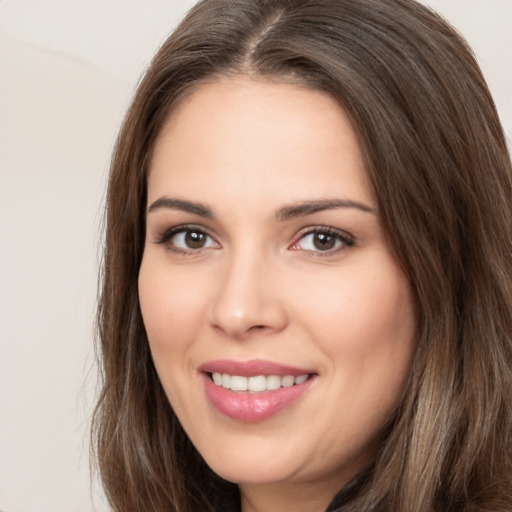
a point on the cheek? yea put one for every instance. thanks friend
(364, 308)
(171, 306)
(171, 310)
(365, 328)
(364, 322)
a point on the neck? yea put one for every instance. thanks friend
(279, 497)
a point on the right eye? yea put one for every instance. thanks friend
(186, 239)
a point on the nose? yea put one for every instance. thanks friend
(249, 299)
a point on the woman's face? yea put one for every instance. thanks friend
(280, 325)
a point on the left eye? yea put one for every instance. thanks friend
(187, 239)
(322, 241)
(192, 239)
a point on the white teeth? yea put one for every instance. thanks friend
(273, 382)
(257, 383)
(238, 383)
(288, 381)
(301, 379)
(226, 381)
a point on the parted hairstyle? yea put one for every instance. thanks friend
(438, 162)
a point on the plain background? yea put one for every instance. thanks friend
(67, 71)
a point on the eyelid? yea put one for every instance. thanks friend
(164, 236)
(346, 238)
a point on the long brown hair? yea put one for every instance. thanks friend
(439, 165)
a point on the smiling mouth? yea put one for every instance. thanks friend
(254, 390)
(257, 383)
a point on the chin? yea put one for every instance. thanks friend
(253, 474)
(252, 466)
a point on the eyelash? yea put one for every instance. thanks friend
(343, 238)
(165, 237)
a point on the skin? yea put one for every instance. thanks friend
(259, 287)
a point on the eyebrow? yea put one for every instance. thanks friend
(288, 212)
(303, 208)
(183, 205)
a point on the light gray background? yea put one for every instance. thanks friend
(67, 71)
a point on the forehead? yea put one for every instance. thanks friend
(239, 134)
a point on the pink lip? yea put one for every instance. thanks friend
(252, 368)
(252, 407)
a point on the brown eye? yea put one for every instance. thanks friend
(324, 241)
(195, 239)
(187, 240)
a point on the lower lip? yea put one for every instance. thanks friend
(252, 407)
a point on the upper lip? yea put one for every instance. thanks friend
(252, 368)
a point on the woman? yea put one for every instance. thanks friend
(306, 299)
